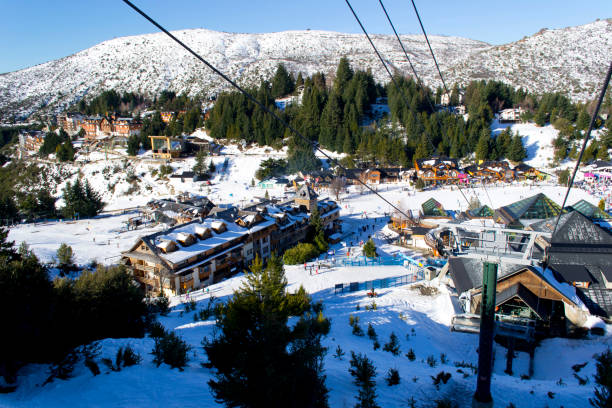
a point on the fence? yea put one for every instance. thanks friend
(380, 283)
(364, 261)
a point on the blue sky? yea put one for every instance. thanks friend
(36, 31)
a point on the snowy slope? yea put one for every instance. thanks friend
(571, 60)
(423, 327)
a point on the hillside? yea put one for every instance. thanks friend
(569, 60)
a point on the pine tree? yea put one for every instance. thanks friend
(133, 145)
(344, 73)
(65, 258)
(363, 372)
(392, 346)
(282, 83)
(517, 150)
(255, 348)
(81, 200)
(199, 167)
(65, 152)
(583, 121)
(603, 377)
(369, 249)
(482, 148)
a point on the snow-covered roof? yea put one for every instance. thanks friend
(233, 233)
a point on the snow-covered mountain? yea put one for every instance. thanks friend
(571, 60)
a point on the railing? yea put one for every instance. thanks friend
(379, 283)
(146, 268)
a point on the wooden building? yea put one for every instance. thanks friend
(490, 171)
(438, 170)
(523, 294)
(31, 140)
(525, 172)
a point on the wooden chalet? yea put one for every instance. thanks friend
(525, 172)
(183, 209)
(381, 175)
(490, 171)
(91, 125)
(97, 127)
(524, 295)
(511, 115)
(438, 170)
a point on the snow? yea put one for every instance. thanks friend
(570, 60)
(421, 323)
(400, 309)
(538, 142)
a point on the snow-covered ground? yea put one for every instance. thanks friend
(538, 141)
(423, 325)
(104, 238)
(420, 322)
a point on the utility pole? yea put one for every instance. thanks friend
(482, 397)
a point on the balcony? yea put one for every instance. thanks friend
(144, 268)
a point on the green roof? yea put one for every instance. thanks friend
(538, 206)
(481, 212)
(432, 208)
(589, 210)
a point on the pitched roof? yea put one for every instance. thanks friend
(538, 206)
(306, 193)
(481, 212)
(589, 210)
(573, 273)
(542, 309)
(467, 273)
(578, 231)
(579, 241)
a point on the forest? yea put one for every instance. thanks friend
(338, 116)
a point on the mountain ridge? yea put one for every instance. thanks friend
(570, 60)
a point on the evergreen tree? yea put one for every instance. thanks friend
(363, 372)
(8, 209)
(603, 377)
(482, 148)
(256, 349)
(200, 168)
(583, 121)
(65, 151)
(369, 249)
(344, 73)
(81, 200)
(133, 145)
(51, 142)
(517, 150)
(503, 142)
(393, 345)
(282, 83)
(65, 257)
